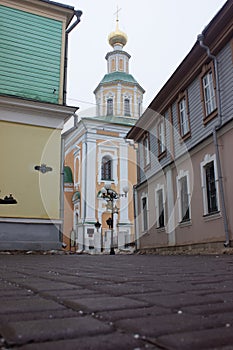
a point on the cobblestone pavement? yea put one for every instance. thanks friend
(116, 302)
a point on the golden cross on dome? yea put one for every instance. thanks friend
(117, 13)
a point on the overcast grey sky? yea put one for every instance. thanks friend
(160, 34)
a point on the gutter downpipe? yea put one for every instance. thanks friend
(135, 203)
(78, 14)
(62, 207)
(200, 38)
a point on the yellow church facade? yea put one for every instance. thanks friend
(98, 156)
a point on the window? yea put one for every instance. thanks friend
(113, 65)
(208, 92)
(121, 64)
(211, 188)
(184, 199)
(146, 150)
(161, 138)
(106, 168)
(183, 196)
(127, 107)
(144, 214)
(139, 108)
(183, 117)
(109, 106)
(210, 185)
(160, 208)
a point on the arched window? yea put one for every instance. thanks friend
(109, 106)
(127, 107)
(106, 168)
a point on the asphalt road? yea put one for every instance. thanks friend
(116, 302)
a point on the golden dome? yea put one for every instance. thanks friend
(118, 37)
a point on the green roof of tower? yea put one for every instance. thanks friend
(118, 76)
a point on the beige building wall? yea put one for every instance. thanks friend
(37, 194)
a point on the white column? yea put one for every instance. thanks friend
(118, 99)
(101, 101)
(135, 105)
(124, 178)
(91, 181)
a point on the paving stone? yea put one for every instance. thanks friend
(209, 308)
(155, 326)
(101, 303)
(29, 304)
(70, 293)
(175, 301)
(207, 339)
(132, 313)
(99, 342)
(37, 315)
(54, 329)
(119, 289)
(47, 285)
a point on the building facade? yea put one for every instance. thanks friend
(97, 154)
(33, 48)
(185, 137)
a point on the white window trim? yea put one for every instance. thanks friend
(182, 173)
(162, 136)
(159, 187)
(146, 150)
(144, 195)
(77, 175)
(109, 151)
(128, 97)
(110, 95)
(209, 85)
(207, 159)
(184, 122)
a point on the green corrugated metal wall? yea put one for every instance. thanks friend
(30, 55)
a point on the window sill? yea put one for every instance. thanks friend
(160, 229)
(185, 223)
(162, 155)
(185, 137)
(212, 216)
(147, 167)
(211, 116)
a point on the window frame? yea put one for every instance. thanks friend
(187, 134)
(182, 215)
(160, 188)
(127, 112)
(207, 160)
(206, 69)
(161, 150)
(108, 163)
(109, 108)
(145, 223)
(146, 151)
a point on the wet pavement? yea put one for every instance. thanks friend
(116, 302)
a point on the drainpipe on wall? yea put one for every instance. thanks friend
(62, 194)
(135, 204)
(78, 14)
(200, 38)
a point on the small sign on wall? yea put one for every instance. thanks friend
(90, 232)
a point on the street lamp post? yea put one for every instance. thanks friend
(110, 195)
